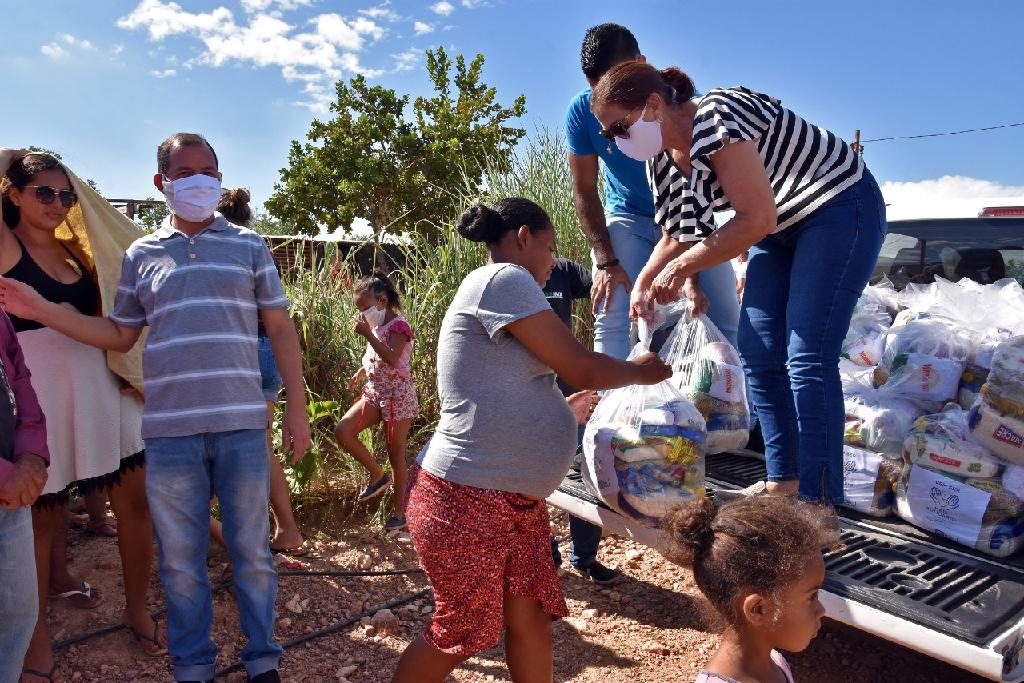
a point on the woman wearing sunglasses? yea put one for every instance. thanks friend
(93, 426)
(810, 214)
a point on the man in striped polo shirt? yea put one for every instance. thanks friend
(198, 282)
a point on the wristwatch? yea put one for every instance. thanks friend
(608, 264)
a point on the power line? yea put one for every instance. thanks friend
(953, 132)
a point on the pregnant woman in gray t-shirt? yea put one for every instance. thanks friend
(506, 437)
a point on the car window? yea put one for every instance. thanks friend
(982, 249)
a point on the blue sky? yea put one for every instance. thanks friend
(103, 82)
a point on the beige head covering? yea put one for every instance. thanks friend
(99, 234)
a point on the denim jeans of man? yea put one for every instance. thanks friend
(633, 239)
(182, 473)
(802, 285)
(19, 598)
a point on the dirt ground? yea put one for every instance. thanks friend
(652, 626)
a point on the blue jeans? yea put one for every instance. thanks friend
(19, 598)
(269, 376)
(182, 473)
(802, 285)
(633, 239)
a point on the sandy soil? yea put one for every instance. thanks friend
(651, 626)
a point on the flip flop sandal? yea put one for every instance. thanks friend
(73, 595)
(40, 674)
(104, 529)
(141, 638)
(298, 551)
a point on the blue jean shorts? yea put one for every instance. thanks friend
(272, 381)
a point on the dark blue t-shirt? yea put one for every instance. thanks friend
(625, 180)
(569, 281)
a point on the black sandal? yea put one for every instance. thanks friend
(141, 638)
(40, 674)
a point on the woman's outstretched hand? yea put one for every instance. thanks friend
(669, 283)
(652, 368)
(20, 299)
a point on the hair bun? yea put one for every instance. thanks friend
(689, 526)
(680, 82)
(480, 223)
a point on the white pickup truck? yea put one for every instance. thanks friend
(892, 579)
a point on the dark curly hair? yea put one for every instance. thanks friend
(604, 46)
(482, 223)
(20, 174)
(380, 285)
(760, 543)
(234, 205)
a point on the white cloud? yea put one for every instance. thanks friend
(76, 42)
(166, 73)
(117, 49)
(951, 195)
(444, 8)
(315, 57)
(422, 28)
(407, 60)
(53, 51)
(382, 12)
(470, 4)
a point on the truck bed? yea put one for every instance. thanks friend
(891, 579)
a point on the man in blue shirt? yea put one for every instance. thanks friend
(622, 232)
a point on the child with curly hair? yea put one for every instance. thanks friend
(759, 562)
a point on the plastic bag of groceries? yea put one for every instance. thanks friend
(924, 360)
(1004, 388)
(707, 370)
(869, 481)
(865, 339)
(643, 448)
(943, 442)
(876, 420)
(982, 513)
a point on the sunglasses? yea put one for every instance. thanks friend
(46, 195)
(618, 129)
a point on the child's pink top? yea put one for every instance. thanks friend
(706, 676)
(399, 325)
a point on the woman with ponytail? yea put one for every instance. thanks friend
(758, 561)
(812, 218)
(505, 439)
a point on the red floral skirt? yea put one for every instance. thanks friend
(477, 546)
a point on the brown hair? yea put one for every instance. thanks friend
(20, 174)
(234, 205)
(177, 141)
(759, 543)
(631, 83)
(380, 285)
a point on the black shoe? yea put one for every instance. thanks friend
(266, 677)
(598, 573)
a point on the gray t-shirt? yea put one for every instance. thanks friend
(504, 423)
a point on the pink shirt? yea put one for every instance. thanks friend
(706, 676)
(398, 325)
(29, 425)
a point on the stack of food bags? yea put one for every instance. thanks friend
(643, 448)
(954, 486)
(997, 417)
(876, 426)
(708, 372)
(865, 339)
(924, 360)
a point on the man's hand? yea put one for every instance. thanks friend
(582, 405)
(606, 282)
(652, 368)
(20, 299)
(26, 482)
(692, 291)
(295, 432)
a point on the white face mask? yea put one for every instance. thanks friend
(644, 141)
(194, 198)
(374, 316)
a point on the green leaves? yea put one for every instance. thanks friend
(392, 163)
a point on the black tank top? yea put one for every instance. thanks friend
(83, 294)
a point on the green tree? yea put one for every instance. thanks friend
(399, 172)
(151, 216)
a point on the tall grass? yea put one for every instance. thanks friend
(323, 307)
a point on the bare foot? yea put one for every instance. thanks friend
(783, 488)
(151, 639)
(287, 540)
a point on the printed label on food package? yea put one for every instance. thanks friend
(931, 377)
(860, 472)
(867, 350)
(946, 506)
(728, 383)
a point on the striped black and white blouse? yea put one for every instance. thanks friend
(806, 165)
